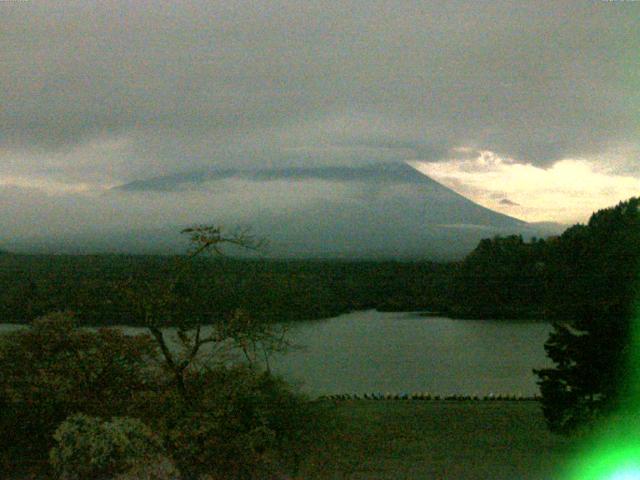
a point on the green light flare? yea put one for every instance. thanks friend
(631, 474)
(613, 450)
(617, 461)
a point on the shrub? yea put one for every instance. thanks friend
(239, 424)
(228, 422)
(87, 447)
(52, 370)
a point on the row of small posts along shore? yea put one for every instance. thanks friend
(429, 397)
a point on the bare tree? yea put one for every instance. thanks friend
(158, 304)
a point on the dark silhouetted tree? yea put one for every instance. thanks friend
(593, 286)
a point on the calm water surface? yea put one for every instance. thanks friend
(370, 351)
(404, 352)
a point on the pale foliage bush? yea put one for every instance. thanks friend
(88, 447)
(160, 468)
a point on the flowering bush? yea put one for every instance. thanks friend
(87, 447)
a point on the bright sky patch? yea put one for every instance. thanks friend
(567, 192)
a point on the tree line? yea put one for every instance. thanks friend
(91, 286)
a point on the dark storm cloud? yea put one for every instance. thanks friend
(259, 85)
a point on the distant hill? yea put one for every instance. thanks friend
(396, 212)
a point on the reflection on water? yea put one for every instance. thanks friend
(369, 351)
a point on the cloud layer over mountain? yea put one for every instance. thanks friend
(105, 94)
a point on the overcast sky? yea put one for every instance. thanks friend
(529, 108)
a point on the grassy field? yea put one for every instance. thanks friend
(432, 440)
(437, 440)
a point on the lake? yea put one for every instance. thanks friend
(370, 351)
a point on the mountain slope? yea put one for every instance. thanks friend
(371, 211)
(416, 218)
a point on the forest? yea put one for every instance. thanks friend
(589, 268)
(93, 286)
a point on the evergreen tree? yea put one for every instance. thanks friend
(593, 285)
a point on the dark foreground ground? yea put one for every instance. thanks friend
(437, 440)
(455, 440)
